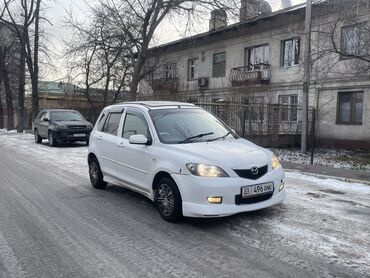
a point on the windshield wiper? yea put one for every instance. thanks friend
(195, 137)
(223, 137)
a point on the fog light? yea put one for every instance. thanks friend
(214, 200)
(282, 186)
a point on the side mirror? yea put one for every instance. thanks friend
(46, 120)
(139, 139)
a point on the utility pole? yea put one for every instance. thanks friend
(306, 81)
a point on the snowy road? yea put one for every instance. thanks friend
(54, 224)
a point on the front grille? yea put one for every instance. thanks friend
(247, 173)
(76, 126)
(251, 200)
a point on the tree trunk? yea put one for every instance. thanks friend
(8, 92)
(21, 92)
(136, 75)
(1, 111)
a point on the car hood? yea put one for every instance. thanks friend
(237, 154)
(73, 123)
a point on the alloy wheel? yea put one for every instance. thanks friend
(165, 199)
(94, 172)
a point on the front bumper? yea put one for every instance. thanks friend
(72, 136)
(195, 190)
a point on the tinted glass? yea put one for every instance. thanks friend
(112, 123)
(177, 125)
(102, 122)
(135, 124)
(66, 116)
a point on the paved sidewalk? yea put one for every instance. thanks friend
(325, 171)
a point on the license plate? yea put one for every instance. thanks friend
(79, 135)
(257, 189)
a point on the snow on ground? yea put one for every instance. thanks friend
(336, 158)
(69, 157)
(324, 217)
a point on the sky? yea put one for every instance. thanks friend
(171, 29)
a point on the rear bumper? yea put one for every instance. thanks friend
(195, 190)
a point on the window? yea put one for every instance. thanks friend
(355, 40)
(193, 69)
(41, 116)
(102, 121)
(255, 56)
(288, 108)
(350, 107)
(290, 52)
(219, 65)
(135, 123)
(169, 71)
(112, 123)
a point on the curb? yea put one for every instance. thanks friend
(329, 177)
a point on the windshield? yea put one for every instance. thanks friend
(66, 116)
(177, 126)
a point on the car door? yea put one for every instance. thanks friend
(43, 125)
(106, 139)
(134, 162)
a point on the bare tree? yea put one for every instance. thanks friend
(343, 39)
(9, 69)
(24, 18)
(97, 54)
(139, 19)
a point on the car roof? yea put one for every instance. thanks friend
(56, 110)
(153, 105)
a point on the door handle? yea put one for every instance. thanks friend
(100, 137)
(121, 145)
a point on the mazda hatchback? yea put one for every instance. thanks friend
(184, 159)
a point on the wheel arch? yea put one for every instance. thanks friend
(158, 176)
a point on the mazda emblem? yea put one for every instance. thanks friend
(254, 170)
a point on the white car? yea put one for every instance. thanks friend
(184, 159)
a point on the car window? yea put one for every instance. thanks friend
(112, 123)
(41, 116)
(101, 122)
(135, 123)
(66, 116)
(176, 126)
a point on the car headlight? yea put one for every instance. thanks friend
(58, 127)
(204, 170)
(275, 162)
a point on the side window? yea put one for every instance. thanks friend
(112, 123)
(41, 116)
(135, 123)
(102, 121)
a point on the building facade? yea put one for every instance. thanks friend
(259, 60)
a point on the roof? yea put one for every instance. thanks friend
(238, 27)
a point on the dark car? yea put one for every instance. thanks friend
(61, 126)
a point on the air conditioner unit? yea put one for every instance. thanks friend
(203, 81)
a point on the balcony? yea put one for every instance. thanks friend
(165, 84)
(250, 74)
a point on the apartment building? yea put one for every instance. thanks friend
(260, 60)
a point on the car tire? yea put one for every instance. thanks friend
(52, 141)
(38, 138)
(168, 200)
(96, 175)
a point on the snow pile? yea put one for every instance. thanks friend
(359, 160)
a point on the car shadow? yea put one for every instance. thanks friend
(202, 223)
(65, 145)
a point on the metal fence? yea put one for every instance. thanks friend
(256, 119)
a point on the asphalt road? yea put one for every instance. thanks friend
(54, 224)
